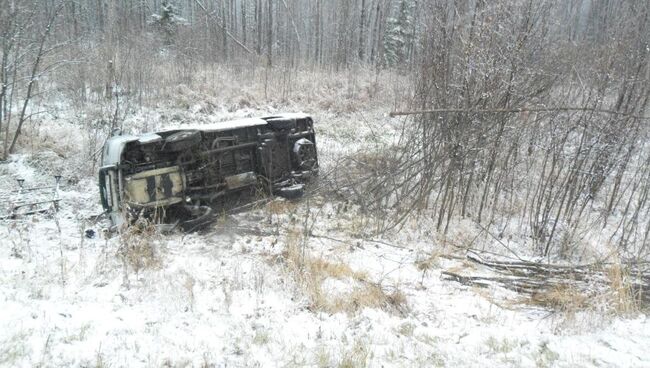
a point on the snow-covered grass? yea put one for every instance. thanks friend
(286, 284)
(229, 297)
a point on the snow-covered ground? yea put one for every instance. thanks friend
(230, 296)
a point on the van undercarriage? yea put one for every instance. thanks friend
(187, 175)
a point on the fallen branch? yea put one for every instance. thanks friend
(535, 279)
(517, 110)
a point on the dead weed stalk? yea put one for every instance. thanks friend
(138, 249)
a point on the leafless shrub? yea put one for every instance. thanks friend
(18, 234)
(477, 153)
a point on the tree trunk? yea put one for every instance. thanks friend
(362, 25)
(269, 34)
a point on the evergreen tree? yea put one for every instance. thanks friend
(398, 33)
(167, 21)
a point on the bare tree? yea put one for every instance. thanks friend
(35, 48)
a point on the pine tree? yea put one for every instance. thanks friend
(398, 33)
(167, 21)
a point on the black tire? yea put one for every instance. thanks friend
(183, 140)
(292, 192)
(204, 216)
(304, 153)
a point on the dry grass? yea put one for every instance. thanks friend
(311, 272)
(351, 220)
(431, 261)
(138, 248)
(367, 296)
(356, 357)
(255, 86)
(281, 207)
(622, 297)
(564, 297)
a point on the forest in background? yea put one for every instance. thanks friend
(507, 152)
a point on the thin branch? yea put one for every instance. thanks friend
(516, 110)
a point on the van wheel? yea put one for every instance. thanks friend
(291, 192)
(304, 152)
(201, 217)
